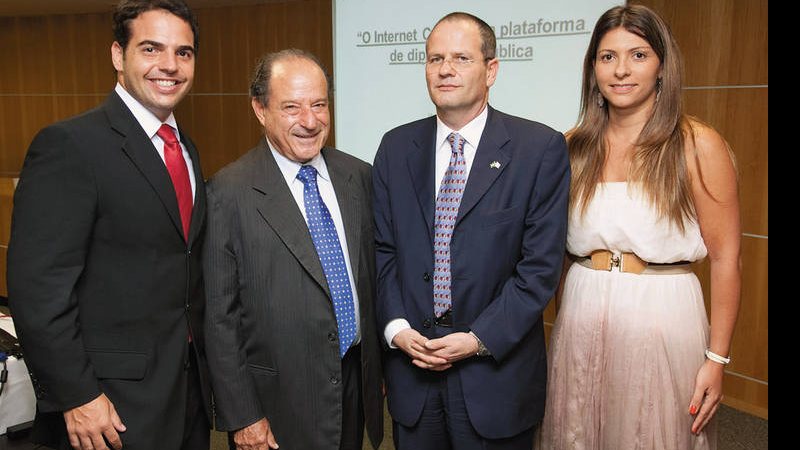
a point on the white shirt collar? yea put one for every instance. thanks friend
(471, 132)
(290, 168)
(149, 122)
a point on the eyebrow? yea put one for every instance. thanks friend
(644, 47)
(150, 43)
(160, 45)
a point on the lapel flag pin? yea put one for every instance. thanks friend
(494, 165)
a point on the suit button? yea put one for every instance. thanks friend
(426, 323)
(426, 276)
(334, 380)
(188, 253)
(332, 337)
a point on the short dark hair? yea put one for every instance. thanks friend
(128, 10)
(259, 83)
(488, 39)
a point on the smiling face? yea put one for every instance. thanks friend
(296, 115)
(626, 69)
(458, 90)
(157, 67)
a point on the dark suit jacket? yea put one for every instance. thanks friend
(102, 286)
(506, 254)
(272, 333)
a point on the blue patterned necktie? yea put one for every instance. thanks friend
(447, 203)
(326, 242)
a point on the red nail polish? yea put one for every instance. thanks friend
(692, 409)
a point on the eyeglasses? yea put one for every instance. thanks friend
(458, 62)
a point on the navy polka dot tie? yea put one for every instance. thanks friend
(329, 250)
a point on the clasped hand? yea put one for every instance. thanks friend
(435, 354)
(92, 425)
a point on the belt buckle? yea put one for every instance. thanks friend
(603, 260)
(625, 262)
(630, 263)
(445, 320)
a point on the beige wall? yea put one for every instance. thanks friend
(53, 67)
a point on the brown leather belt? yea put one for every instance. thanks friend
(630, 263)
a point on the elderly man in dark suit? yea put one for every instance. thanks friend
(290, 277)
(470, 213)
(103, 265)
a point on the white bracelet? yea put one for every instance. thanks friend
(717, 358)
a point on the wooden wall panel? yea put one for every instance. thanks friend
(12, 141)
(724, 42)
(223, 127)
(741, 116)
(54, 67)
(549, 317)
(9, 70)
(35, 68)
(749, 355)
(746, 395)
(6, 203)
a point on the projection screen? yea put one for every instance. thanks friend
(379, 55)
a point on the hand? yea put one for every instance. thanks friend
(413, 344)
(453, 347)
(707, 394)
(257, 436)
(90, 423)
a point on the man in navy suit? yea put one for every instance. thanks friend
(471, 217)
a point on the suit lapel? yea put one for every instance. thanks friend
(199, 207)
(422, 167)
(490, 161)
(347, 198)
(139, 148)
(275, 203)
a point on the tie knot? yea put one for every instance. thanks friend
(167, 134)
(456, 142)
(307, 174)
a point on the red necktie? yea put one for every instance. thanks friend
(176, 166)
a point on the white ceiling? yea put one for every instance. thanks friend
(48, 7)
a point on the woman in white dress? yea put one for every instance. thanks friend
(633, 363)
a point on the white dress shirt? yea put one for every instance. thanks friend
(150, 123)
(290, 169)
(471, 132)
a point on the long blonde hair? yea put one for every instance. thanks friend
(659, 162)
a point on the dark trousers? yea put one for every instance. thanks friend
(196, 429)
(352, 403)
(444, 423)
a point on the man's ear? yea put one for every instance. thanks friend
(118, 56)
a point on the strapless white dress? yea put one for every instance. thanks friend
(626, 348)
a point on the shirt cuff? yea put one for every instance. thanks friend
(394, 327)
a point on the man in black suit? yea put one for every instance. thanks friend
(104, 274)
(290, 277)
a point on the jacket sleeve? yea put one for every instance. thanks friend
(388, 301)
(55, 206)
(526, 293)
(236, 399)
